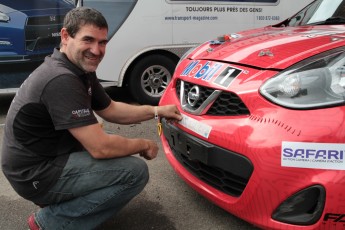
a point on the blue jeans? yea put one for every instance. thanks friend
(90, 191)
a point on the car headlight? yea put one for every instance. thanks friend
(189, 51)
(4, 17)
(314, 83)
(184, 56)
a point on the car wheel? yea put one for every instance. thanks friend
(150, 77)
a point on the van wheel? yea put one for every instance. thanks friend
(150, 77)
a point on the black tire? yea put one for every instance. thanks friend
(149, 78)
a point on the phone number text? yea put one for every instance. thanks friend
(268, 18)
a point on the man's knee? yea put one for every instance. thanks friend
(139, 170)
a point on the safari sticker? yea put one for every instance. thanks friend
(313, 155)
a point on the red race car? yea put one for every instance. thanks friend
(263, 129)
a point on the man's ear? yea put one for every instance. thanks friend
(64, 36)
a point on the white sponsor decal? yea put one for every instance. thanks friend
(313, 155)
(56, 34)
(196, 126)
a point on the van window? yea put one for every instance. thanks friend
(229, 1)
(115, 12)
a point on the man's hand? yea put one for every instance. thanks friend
(151, 152)
(170, 112)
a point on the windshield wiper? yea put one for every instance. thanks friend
(331, 21)
(336, 20)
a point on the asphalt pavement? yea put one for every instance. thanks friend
(166, 203)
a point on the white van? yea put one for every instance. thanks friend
(148, 37)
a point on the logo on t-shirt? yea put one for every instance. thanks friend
(81, 113)
(35, 184)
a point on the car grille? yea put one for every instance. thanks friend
(225, 104)
(222, 169)
(43, 33)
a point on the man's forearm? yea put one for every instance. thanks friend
(122, 113)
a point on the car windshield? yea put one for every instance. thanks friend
(320, 12)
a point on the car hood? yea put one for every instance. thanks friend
(9, 6)
(272, 47)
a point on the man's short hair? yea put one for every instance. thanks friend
(81, 16)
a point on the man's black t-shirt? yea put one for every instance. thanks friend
(57, 96)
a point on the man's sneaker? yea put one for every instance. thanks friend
(32, 223)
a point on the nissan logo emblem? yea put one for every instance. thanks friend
(193, 95)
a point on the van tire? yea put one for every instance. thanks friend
(149, 78)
